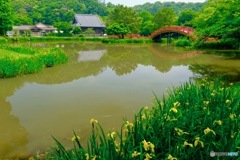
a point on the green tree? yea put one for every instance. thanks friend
(186, 18)
(147, 26)
(89, 31)
(164, 17)
(5, 16)
(219, 18)
(76, 30)
(125, 16)
(118, 29)
(63, 26)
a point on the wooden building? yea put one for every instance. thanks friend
(38, 29)
(86, 21)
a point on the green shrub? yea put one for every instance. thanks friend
(216, 45)
(188, 123)
(81, 35)
(182, 43)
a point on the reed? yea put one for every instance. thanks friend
(17, 60)
(188, 123)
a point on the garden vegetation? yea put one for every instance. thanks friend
(18, 60)
(187, 123)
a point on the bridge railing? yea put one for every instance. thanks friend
(179, 29)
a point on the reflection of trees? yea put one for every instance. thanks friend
(124, 60)
(210, 72)
(13, 137)
(164, 57)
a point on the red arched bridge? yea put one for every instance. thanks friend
(172, 31)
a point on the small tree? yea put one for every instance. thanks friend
(76, 30)
(63, 26)
(118, 29)
(127, 16)
(89, 31)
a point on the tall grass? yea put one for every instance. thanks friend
(188, 123)
(17, 60)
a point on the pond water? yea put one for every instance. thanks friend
(106, 82)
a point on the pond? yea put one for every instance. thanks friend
(107, 82)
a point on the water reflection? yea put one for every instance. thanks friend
(94, 55)
(106, 82)
(13, 136)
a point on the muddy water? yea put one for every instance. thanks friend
(105, 82)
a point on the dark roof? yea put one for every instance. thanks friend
(87, 20)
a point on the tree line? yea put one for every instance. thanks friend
(214, 18)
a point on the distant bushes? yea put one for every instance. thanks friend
(16, 60)
(182, 43)
(216, 45)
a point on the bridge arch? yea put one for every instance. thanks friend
(172, 31)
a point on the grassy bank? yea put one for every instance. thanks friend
(49, 38)
(17, 60)
(187, 123)
(114, 40)
(93, 39)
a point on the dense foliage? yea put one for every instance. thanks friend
(5, 16)
(220, 18)
(122, 15)
(177, 7)
(177, 127)
(49, 12)
(164, 17)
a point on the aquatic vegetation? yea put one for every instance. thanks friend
(188, 123)
(17, 60)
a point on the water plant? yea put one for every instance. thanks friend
(18, 60)
(188, 123)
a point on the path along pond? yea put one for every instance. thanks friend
(105, 82)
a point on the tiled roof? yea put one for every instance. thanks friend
(88, 20)
(36, 26)
(23, 27)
